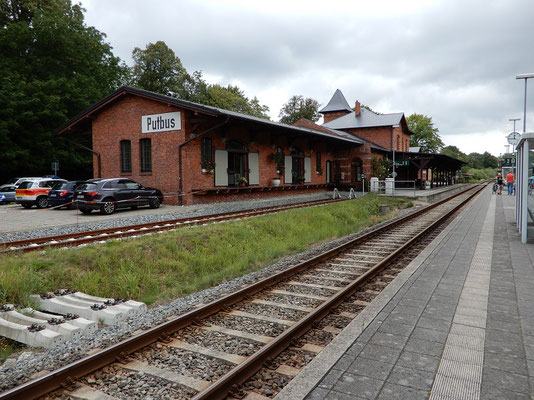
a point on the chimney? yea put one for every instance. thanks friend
(357, 108)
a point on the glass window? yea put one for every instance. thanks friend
(25, 185)
(146, 155)
(126, 156)
(87, 186)
(318, 162)
(206, 151)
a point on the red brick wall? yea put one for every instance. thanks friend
(122, 121)
(382, 136)
(332, 115)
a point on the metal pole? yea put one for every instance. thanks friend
(525, 108)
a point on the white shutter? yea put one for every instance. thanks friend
(307, 169)
(221, 168)
(254, 169)
(288, 169)
(328, 172)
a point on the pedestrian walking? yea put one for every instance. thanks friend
(510, 180)
(500, 182)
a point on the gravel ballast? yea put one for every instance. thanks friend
(15, 371)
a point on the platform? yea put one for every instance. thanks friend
(457, 323)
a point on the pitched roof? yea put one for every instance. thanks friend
(337, 103)
(306, 123)
(85, 117)
(366, 119)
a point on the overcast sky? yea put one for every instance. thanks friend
(453, 60)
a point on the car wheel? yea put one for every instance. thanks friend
(153, 203)
(86, 211)
(27, 205)
(108, 207)
(42, 202)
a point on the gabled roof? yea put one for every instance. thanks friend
(84, 119)
(312, 125)
(366, 119)
(337, 103)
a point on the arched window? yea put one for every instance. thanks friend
(356, 170)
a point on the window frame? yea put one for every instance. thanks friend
(145, 155)
(126, 156)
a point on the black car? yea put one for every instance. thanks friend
(63, 194)
(107, 195)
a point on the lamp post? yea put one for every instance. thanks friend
(526, 77)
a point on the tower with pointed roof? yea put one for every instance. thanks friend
(336, 107)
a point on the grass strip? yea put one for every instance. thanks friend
(161, 267)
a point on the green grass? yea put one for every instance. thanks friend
(162, 267)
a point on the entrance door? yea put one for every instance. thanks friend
(236, 167)
(337, 172)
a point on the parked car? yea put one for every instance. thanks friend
(35, 192)
(18, 181)
(63, 194)
(2, 199)
(8, 191)
(107, 195)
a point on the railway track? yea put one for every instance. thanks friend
(250, 343)
(102, 235)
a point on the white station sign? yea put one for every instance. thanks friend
(161, 122)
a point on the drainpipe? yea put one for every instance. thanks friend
(180, 180)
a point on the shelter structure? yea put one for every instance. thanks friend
(524, 211)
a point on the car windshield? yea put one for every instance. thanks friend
(86, 186)
(26, 185)
(60, 186)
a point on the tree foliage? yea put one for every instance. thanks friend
(299, 107)
(454, 152)
(425, 135)
(52, 67)
(482, 161)
(158, 69)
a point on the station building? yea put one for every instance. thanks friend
(196, 154)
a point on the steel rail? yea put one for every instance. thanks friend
(117, 352)
(118, 232)
(220, 388)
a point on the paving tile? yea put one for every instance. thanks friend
(409, 377)
(333, 395)
(424, 347)
(318, 393)
(370, 368)
(359, 386)
(420, 361)
(379, 353)
(505, 380)
(430, 334)
(391, 391)
(388, 340)
(503, 362)
(396, 328)
(331, 378)
(434, 323)
(492, 393)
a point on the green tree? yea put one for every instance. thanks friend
(425, 135)
(157, 69)
(52, 67)
(232, 98)
(299, 107)
(455, 152)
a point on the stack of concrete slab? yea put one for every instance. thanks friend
(39, 329)
(65, 315)
(105, 310)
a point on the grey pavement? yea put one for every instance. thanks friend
(457, 323)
